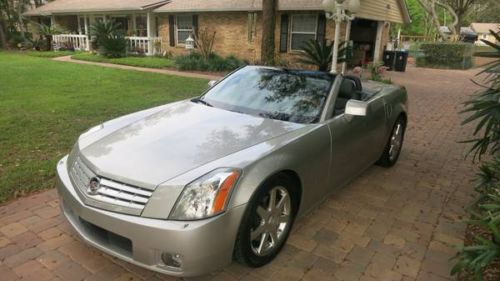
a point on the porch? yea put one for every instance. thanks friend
(141, 30)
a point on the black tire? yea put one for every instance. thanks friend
(244, 250)
(388, 158)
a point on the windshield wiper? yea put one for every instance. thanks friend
(198, 100)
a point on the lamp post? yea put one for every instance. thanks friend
(336, 10)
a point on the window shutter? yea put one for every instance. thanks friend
(171, 30)
(284, 34)
(195, 24)
(195, 28)
(320, 36)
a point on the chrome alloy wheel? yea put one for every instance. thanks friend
(396, 141)
(272, 218)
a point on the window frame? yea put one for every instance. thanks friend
(291, 32)
(177, 29)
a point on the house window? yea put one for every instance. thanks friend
(141, 25)
(99, 19)
(303, 28)
(122, 22)
(184, 28)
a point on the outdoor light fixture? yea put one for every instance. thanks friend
(189, 45)
(336, 10)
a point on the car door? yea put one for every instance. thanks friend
(356, 141)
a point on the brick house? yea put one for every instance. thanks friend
(158, 26)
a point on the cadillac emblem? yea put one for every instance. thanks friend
(94, 185)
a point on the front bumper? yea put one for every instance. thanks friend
(204, 245)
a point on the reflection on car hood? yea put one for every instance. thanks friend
(178, 138)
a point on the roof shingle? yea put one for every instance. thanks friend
(81, 6)
(485, 27)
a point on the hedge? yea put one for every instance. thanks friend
(446, 55)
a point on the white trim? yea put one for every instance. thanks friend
(291, 32)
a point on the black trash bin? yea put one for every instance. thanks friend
(401, 61)
(389, 57)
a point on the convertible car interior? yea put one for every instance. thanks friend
(350, 89)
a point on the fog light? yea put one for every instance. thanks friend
(172, 260)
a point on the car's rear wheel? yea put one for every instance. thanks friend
(267, 222)
(394, 144)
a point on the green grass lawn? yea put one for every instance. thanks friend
(45, 105)
(49, 54)
(151, 62)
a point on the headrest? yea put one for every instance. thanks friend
(347, 89)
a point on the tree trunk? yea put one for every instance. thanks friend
(268, 26)
(3, 39)
(460, 19)
(20, 19)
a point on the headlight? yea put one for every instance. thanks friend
(92, 130)
(206, 196)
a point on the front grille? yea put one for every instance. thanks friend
(110, 191)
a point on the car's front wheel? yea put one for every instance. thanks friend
(267, 222)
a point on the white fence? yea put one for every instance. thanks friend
(135, 45)
(76, 41)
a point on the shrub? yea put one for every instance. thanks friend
(109, 39)
(317, 53)
(205, 42)
(113, 47)
(484, 110)
(195, 61)
(446, 55)
(320, 54)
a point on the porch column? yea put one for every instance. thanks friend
(378, 41)
(52, 20)
(150, 26)
(86, 23)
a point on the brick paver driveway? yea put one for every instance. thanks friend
(390, 224)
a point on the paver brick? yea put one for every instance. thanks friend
(22, 257)
(33, 270)
(71, 271)
(55, 242)
(13, 229)
(52, 259)
(407, 266)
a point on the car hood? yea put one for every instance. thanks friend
(176, 139)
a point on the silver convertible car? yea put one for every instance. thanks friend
(185, 188)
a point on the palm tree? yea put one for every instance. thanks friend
(105, 30)
(48, 31)
(320, 53)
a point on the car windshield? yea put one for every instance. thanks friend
(289, 95)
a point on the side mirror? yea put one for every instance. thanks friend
(356, 108)
(212, 83)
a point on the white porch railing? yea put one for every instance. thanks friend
(144, 45)
(76, 41)
(135, 45)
